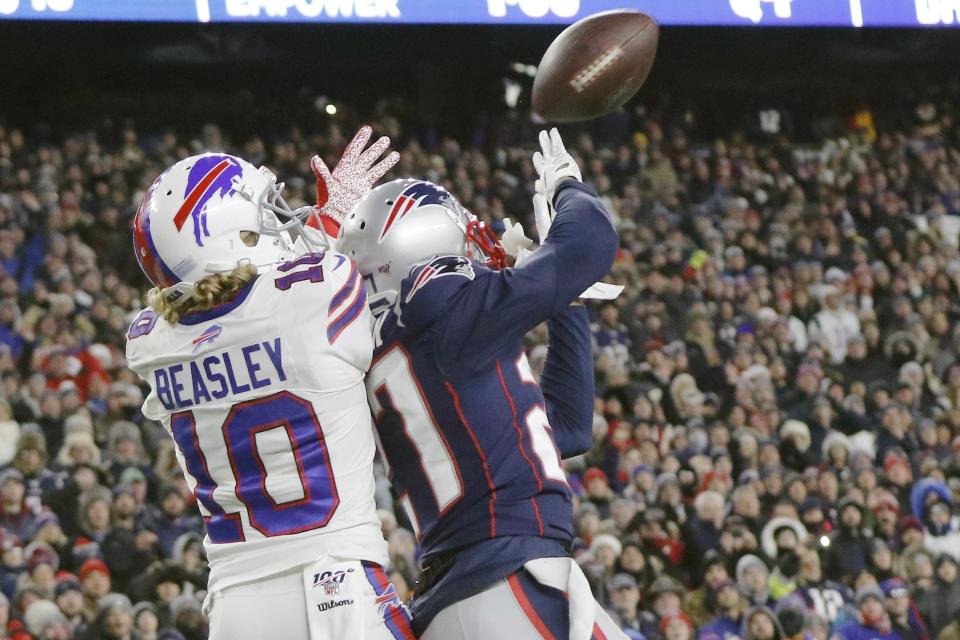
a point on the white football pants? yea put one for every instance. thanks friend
(327, 600)
(529, 605)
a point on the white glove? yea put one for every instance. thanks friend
(542, 215)
(514, 239)
(544, 218)
(353, 177)
(553, 163)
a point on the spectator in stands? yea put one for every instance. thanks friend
(786, 347)
(872, 620)
(727, 607)
(16, 517)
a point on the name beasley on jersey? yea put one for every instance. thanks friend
(217, 375)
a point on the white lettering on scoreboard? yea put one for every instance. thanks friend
(752, 10)
(535, 8)
(933, 12)
(313, 8)
(7, 7)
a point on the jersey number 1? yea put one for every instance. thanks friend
(318, 498)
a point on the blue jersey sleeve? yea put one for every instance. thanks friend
(478, 313)
(568, 383)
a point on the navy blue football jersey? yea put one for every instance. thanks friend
(471, 441)
(827, 599)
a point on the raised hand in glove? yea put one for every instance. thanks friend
(352, 178)
(553, 164)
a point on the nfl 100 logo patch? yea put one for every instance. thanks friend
(330, 581)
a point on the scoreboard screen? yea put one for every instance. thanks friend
(748, 13)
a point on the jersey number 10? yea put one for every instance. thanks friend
(240, 430)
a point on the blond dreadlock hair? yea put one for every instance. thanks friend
(208, 292)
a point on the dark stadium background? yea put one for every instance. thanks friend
(68, 73)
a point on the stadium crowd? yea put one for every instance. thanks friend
(777, 426)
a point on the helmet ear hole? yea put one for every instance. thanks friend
(250, 238)
(363, 225)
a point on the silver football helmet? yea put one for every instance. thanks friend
(406, 222)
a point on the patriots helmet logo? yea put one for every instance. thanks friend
(419, 194)
(211, 176)
(440, 267)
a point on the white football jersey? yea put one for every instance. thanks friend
(264, 398)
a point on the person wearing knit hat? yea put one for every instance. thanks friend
(753, 578)
(95, 579)
(31, 461)
(146, 619)
(606, 549)
(114, 617)
(40, 614)
(904, 619)
(625, 600)
(42, 563)
(665, 596)
(186, 612)
(598, 490)
(781, 534)
(847, 553)
(69, 598)
(761, 623)
(896, 467)
(872, 622)
(886, 501)
(795, 441)
(15, 516)
(836, 450)
(676, 626)
(910, 525)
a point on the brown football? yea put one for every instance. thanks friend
(595, 65)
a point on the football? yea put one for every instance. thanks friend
(595, 65)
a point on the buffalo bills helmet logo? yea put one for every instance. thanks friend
(418, 194)
(210, 176)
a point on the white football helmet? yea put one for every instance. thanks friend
(405, 222)
(191, 220)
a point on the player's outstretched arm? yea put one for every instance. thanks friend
(480, 320)
(558, 175)
(568, 382)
